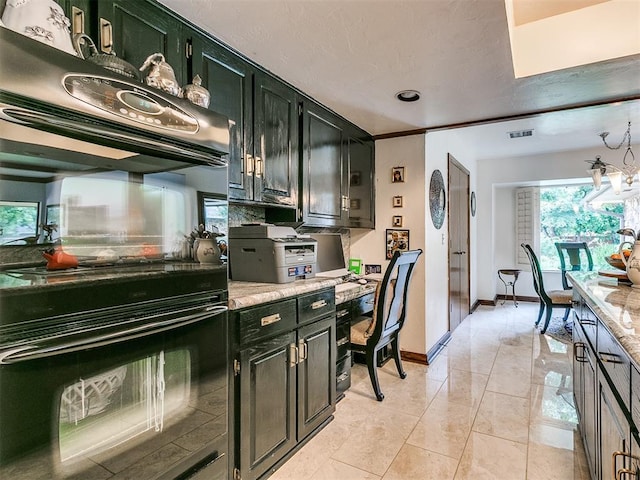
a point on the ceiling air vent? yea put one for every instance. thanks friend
(521, 133)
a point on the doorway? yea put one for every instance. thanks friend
(459, 278)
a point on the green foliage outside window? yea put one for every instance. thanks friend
(18, 222)
(565, 218)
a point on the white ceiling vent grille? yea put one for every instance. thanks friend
(521, 133)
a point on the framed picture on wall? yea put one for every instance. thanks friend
(397, 201)
(397, 174)
(396, 240)
(397, 221)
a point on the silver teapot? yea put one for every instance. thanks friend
(196, 93)
(160, 74)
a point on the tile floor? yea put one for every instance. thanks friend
(496, 404)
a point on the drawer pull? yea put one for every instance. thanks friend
(587, 321)
(318, 304)
(268, 320)
(342, 341)
(342, 377)
(609, 357)
(342, 313)
(579, 358)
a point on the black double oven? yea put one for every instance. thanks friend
(114, 357)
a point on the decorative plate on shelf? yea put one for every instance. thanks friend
(437, 199)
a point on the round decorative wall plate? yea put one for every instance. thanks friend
(473, 204)
(437, 199)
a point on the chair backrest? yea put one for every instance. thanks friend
(536, 272)
(390, 309)
(573, 252)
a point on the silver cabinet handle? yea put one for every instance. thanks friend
(612, 357)
(318, 304)
(258, 167)
(250, 165)
(106, 36)
(77, 20)
(269, 319)
(618, 473)
(342, 341)
(579, 358)
(342, 377)
(304, 352)
(294, 355)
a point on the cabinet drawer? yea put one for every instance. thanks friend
(343, 312)
(343, 375)
(363, 304)
(635, 399)
(316, 305)
(343, 336)
(589, 322)
(267, 320)
(615, 362)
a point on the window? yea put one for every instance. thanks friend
(18, 222)
(561, 214)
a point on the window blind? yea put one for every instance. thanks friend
(527, 222)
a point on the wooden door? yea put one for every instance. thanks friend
(459, 297)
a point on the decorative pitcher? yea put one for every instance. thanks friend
(207, 251)
(632, 263)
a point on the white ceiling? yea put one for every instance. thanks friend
(354, 55)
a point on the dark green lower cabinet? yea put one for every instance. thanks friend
(285, 383)
(267, 404)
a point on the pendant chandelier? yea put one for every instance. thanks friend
(628, 170)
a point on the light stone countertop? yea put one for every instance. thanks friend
(248, 294)
(618, 306)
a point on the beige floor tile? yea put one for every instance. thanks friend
(416, 463)
(503, 416)
(550, 463)
(512, 383)
(463, 387)
(444, 428)
(370, 449)
(552, 405)
(334, 470)
(490, 458)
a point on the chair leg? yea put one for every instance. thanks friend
(540, 312)
(396, 356)
(373, 373)
(547, 319)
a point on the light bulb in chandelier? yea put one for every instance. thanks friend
(628, 170)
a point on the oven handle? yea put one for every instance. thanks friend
(32, 352)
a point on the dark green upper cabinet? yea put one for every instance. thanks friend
(263, 115)
(229, 80)
(361, 168)
(337, 171)
(275, 143)
(137, 29)
(324, 190)
(82, 15)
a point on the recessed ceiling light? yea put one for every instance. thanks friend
(408, 95)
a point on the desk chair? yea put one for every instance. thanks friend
(572, 251)
(369, 336)
(549, 299)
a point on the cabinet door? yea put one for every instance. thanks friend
(614, 433)
(360, 161)
(588, 418)
(82, 15)
(229, 80)
(324, 187)
(275, 147)
(316, 375)
(267, 404)
(139, 29)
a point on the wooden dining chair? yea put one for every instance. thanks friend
(549, 299)
(369, 336)
(574, 257)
